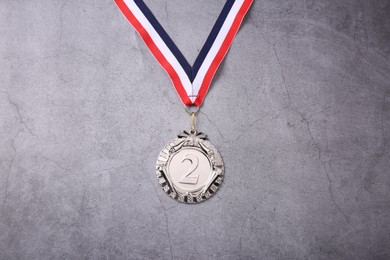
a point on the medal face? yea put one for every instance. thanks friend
(189, 168)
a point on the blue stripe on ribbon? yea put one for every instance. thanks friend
(190, 71)
(210, 40)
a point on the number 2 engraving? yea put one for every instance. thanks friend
(190, 178)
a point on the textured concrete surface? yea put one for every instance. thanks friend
(300, 111)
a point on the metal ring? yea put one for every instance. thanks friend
(191, 109)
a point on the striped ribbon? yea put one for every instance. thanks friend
(190, 82)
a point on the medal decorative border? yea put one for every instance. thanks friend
(188, 140)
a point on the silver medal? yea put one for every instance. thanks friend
(190, 169)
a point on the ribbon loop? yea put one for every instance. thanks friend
(191, 83)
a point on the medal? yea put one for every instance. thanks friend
(189, 168)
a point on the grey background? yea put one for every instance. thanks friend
(300, 111)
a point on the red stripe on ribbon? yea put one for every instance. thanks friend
(155, 51)
(222, 52)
